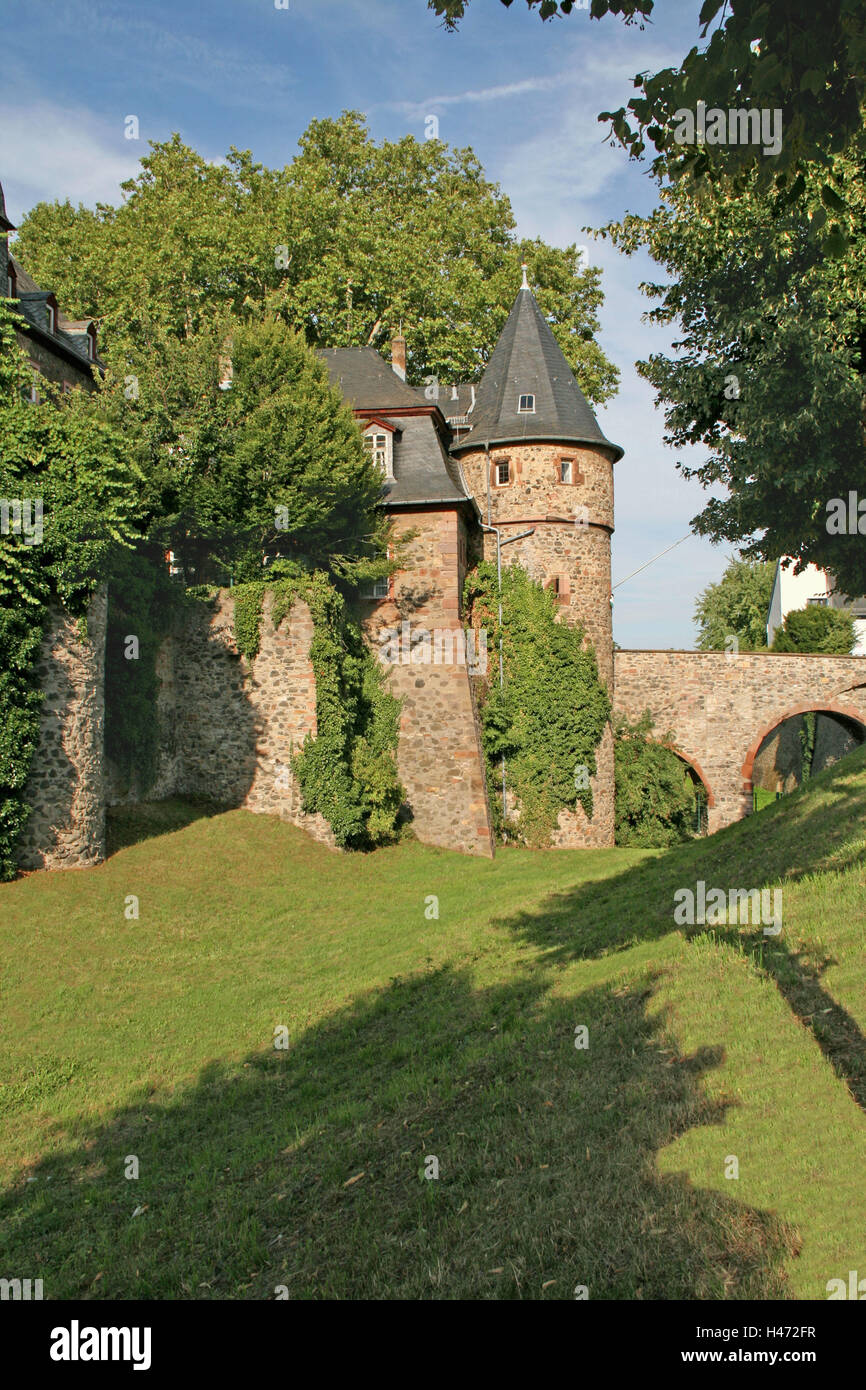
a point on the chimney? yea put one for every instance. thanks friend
(398, 355)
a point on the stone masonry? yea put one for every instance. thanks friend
(569, 549)
(229, 728)
(720, 709)
(439, 758)
(65, 790)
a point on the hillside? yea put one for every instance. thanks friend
(411, 1037)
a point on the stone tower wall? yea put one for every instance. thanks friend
(572, 524)
(440, 759)
(65, 789)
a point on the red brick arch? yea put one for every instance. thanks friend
(810, 707)
(696, 767)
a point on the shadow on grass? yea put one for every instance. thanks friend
(130, 824)
(811, 830)
(798, 979)
(305, 1168)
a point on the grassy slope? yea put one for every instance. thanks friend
(453, 1037)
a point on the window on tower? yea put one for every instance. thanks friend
(566, 471)
(503, 473)
(526, 405)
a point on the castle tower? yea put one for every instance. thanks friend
(535, 457)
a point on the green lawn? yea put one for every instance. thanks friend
(411, 1036)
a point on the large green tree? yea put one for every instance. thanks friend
(736, 606)
(345, 244)
(246, 450)
(769, 364)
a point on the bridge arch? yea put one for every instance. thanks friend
(847, 712)
(696, 769)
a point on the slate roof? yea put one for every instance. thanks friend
(68, 336)
(455, 402)
(527, 360)
(423, 469)
(5, 224)
(367, 381)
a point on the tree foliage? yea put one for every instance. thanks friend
(806, 58)
(64, 464)
(345, 244)
(816, 629)
(551, 716)
(274, 465)
(736, 606)
(767, 372)
(655, 798)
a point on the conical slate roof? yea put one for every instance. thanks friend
(528, 360)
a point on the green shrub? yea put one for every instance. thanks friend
(655, 799)
(816, 629)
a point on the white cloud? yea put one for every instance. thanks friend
(505, 90)
(52, 151)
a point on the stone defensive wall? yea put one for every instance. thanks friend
(719, 709)
(228, 730)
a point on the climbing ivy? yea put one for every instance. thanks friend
(65, 471)
(655, 800)
(348, 772)
(551, 714)
(143, 602)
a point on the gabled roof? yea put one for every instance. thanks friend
(528, 360)
(424, 472)
(366, 381)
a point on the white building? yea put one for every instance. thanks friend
(792, 591)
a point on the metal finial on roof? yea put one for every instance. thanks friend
(525, 269)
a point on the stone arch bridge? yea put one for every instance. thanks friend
(720, 708)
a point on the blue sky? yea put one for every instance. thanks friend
(523, 94)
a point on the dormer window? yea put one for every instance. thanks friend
(13, 280)
(380, 445)
(51, 316)
(91, 343)
(526, 405)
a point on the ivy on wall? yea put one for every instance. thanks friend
(655, 799)
(348, 772)
(551, 714)
(143, 603)
(69, 498)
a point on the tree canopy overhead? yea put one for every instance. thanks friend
(768, 371)
(806, 58)
(345, 244)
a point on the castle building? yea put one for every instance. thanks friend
(60, 350)
(520, 453)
